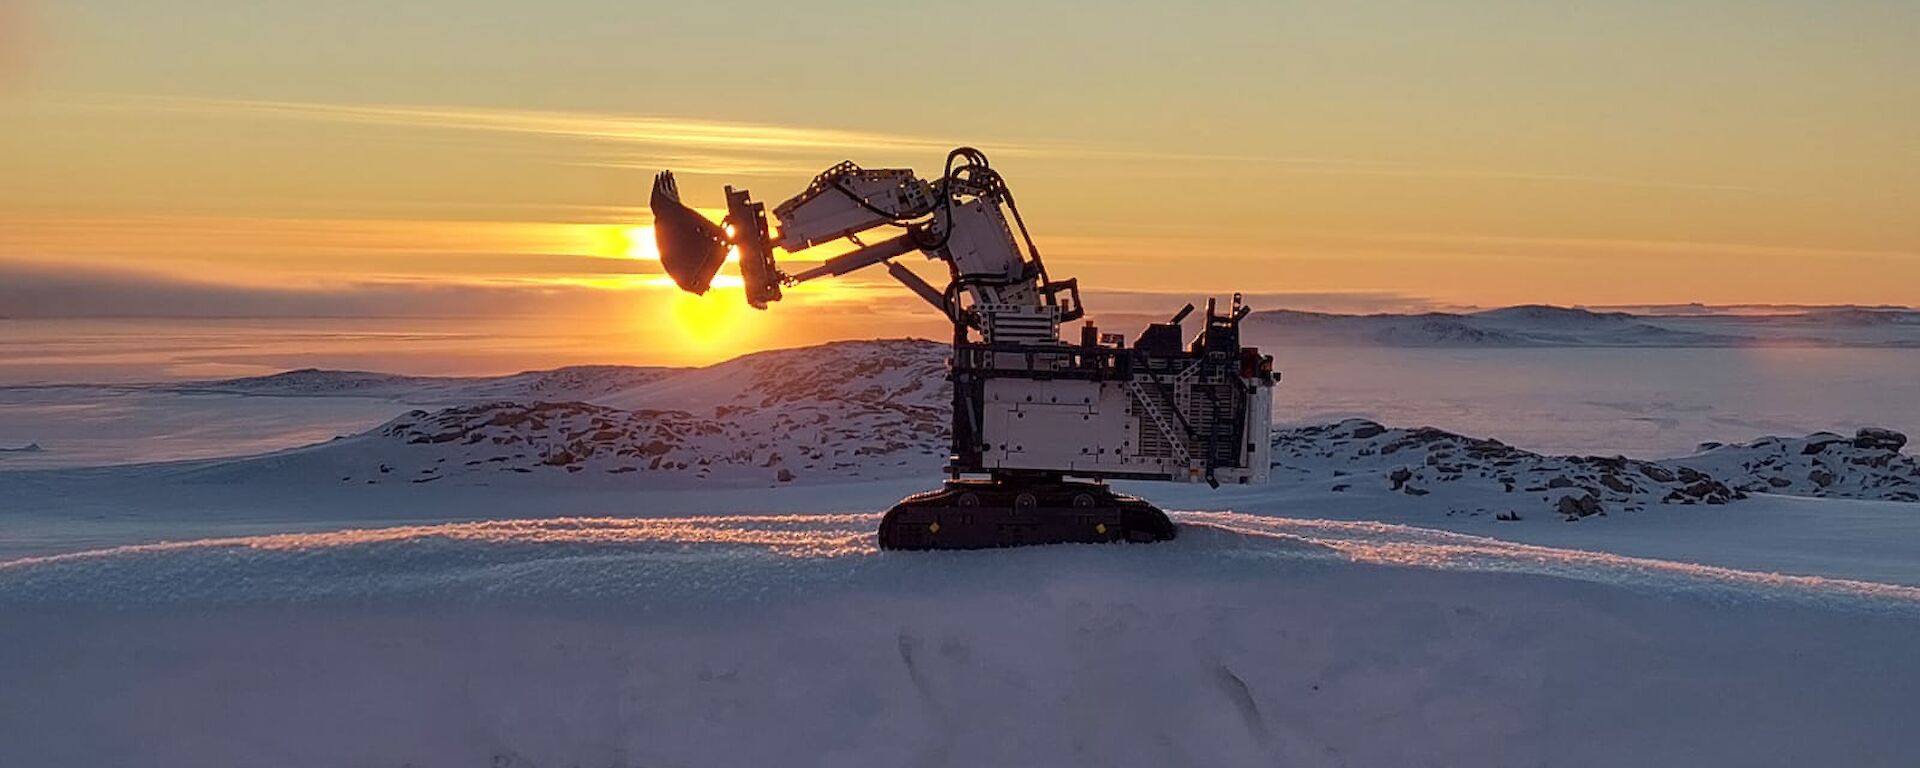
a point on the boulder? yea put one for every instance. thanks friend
(1879, 439)
(1578, 506)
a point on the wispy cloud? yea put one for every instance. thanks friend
(689, 144)
(742, 148)
(699, 143)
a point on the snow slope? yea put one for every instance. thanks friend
(786, 640)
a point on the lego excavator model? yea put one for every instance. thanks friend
(1039, 422)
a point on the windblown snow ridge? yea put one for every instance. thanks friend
(667, 562)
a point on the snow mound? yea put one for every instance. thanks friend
(856, 410)
(1868, 465)
(881, 372)
(1477, 476)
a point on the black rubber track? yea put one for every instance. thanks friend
(984, 514)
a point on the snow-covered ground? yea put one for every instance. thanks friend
(626, 567)
(785, 639)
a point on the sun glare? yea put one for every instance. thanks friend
(639, 243)
(713, 326)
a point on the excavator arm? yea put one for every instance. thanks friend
(960, 219)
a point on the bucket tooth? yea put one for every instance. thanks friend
(984, 514)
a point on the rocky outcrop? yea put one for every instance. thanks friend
(1477, 476)
(839, 411)
(1868, 465)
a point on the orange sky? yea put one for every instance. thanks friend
(443, 157)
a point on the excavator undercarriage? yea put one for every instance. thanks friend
(1018, 510)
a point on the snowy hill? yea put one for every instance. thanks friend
(1549, 326)
(560, 384)
(879, 409)
(878, 372)
(842, 411)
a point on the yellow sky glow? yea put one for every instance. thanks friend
(499, 159)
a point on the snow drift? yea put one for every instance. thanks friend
(786, 640)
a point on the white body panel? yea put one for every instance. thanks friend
(1259, 448)
(982, 246)
(1093, 427)
(824, 212)
(1062, 426)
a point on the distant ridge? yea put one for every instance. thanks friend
(1540, 325)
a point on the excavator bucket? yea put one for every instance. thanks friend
(691, 247)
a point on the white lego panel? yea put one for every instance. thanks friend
(981, 244)
(1065, 425)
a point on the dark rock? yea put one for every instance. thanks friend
(1400, 477)
(1578, 506)
(1368, 430)
(1820, 441)
(1879, 439)
(1613, 481)
(1657, 473)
